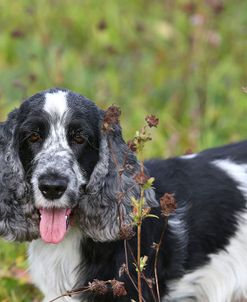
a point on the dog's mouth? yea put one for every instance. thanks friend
(54, 223)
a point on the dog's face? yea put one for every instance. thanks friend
(57, 137)
(57, 160)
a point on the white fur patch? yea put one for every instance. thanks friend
(53, 267)
(224, 278)
(189, 156)
(56, 103)
(237, 172)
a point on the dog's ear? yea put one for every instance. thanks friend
(17, 216)
(107, 202)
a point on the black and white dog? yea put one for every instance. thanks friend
(59, 185)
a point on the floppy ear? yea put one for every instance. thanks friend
(17, 216)
(107, 201)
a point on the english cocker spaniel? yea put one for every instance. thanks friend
(60, 189)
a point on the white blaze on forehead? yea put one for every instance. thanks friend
(56, 106)
(56, 103)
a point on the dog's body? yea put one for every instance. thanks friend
(55, 157)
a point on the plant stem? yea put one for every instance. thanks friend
(71, 293)
(139, 260)
(127, 264)
(156, 259)
(139, 228)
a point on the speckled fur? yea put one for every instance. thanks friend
(18, 217)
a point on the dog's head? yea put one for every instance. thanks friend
(63, 163)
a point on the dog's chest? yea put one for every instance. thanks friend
(54, 268)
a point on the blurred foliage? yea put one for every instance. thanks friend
(15, 284)
(184, 61)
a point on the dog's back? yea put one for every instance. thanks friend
(211, 190)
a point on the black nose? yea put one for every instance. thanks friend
(52, 188)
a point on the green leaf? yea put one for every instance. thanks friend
(149, 183)
(152, 216)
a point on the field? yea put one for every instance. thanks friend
(184, 61)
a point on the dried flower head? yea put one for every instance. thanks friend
(126, 232)
(17, 33)
(102, 25)
(216, 5)
(111, 117)
(118, 288)
(189, 7)
(152, 121)
(141, 178)
(98, 287)
(168, 204)
(132, 145)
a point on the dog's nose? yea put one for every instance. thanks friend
(52, 188)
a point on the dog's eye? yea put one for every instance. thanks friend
(78, 138)
(34, 137)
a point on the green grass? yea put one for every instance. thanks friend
(15, 285)
(185, 64)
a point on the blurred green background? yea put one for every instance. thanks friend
(184, 61)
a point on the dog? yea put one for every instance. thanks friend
(59, 190)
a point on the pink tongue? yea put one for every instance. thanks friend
(53, 224)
